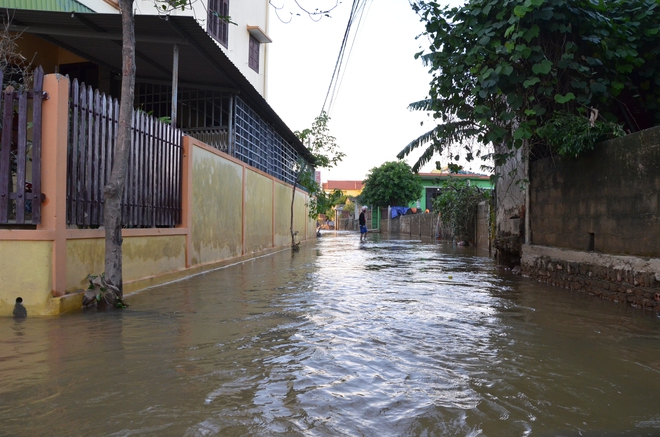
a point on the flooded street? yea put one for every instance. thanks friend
(386, 338)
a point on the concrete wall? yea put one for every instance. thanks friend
(482, 230)
(414, 225)
(217, 207)
(611, 194)
(231, 211)
(595, 221)
(426, 225)
(510, 209)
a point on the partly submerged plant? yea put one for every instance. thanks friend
(102, 294)
(457, 205)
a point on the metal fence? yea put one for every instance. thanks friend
(223, 120)
(152, 194)
(259, 145)
(20, 153)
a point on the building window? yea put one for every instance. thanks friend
(217, 25)
(253, 56)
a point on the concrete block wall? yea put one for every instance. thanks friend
(607, 200)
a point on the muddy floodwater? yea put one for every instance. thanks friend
(387, 338)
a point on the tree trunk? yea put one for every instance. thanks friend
(114, 190)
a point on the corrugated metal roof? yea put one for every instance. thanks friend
(45, 5)
(97, 38)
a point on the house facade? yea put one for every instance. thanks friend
(350, 189)
(239, 28)
(432, 185)
(187, 70)
(233, 157)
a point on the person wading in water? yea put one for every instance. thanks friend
(363, 225)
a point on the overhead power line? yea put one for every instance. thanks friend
(352, 28)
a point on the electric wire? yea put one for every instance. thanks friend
(357, 10)
(365, 7)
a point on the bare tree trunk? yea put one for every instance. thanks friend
(114, 190)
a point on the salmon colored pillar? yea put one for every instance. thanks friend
(54, 132)
(186, 195)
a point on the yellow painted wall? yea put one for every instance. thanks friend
(282, 214)
(26, 272)
(83, 257)
(222, 197)
(142, 257)
(43, 53)
(216, 208)
(258, 212)
(300, 215)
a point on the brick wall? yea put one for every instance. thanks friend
(625, 279)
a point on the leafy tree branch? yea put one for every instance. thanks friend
(503, 69)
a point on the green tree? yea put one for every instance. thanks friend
(325, 150)
(457, 205)
(325, 202)
(391, 184)
(538, 72)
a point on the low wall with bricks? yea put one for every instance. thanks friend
(625, 279)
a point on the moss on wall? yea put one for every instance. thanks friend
(217, 228)
(608, 198)
(282, 214)
(258, 212)
(142, 257)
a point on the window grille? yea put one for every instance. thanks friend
(261, 146)
(203, 114)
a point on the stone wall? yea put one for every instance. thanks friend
(595, 221)
(624, 279)
(482, 231)
(510, 209)
(607, 200)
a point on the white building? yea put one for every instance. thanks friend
(204, 66)
(244, 40)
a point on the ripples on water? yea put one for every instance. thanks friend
(387, 338)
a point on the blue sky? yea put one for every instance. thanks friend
(369, 118)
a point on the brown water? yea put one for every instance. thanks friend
(387, 338)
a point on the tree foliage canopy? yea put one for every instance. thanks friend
(326, 153)
(391, 184)
(325, 202)
(505, 71)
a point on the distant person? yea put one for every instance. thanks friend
(363, 224)
(19, 310)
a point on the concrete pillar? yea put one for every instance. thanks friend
(54, 131)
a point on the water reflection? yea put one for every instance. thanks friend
(391, 337)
